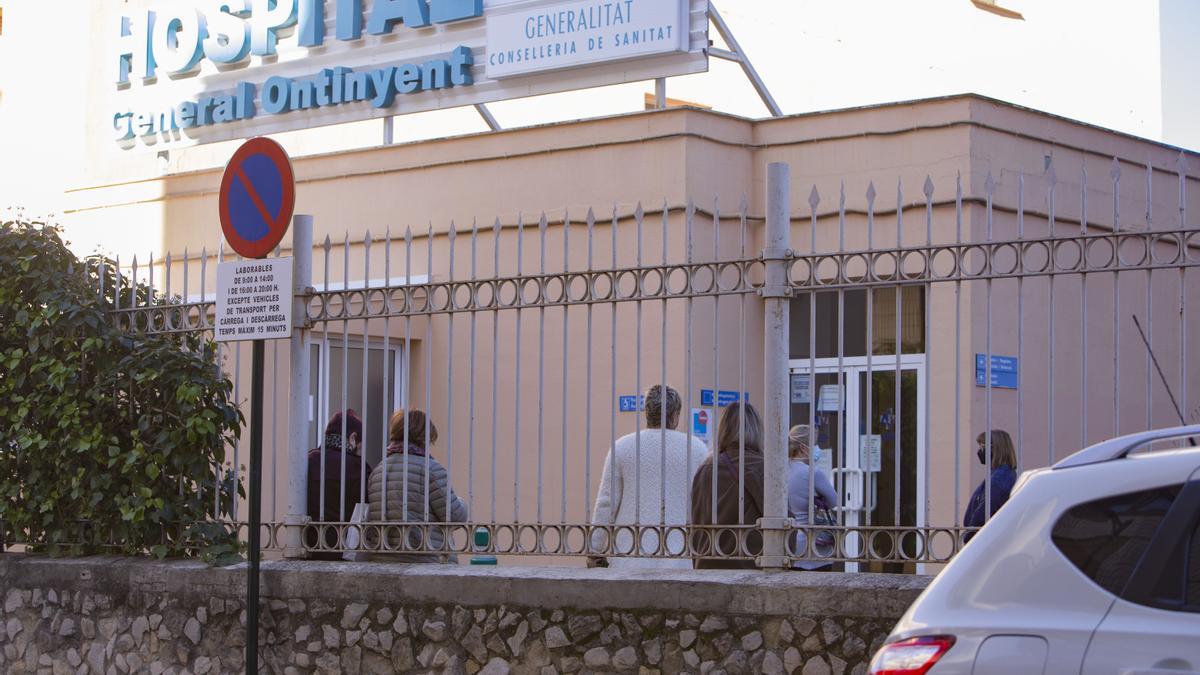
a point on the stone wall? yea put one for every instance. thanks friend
(118, 615)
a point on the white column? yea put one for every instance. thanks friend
(776, 295)
(297, 499)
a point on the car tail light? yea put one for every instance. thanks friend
(914, 656)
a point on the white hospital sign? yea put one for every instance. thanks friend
(570, 34)
(184, 72)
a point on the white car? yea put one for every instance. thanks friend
(1093, 566)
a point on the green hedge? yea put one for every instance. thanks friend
(109, 441)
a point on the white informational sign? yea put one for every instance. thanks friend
(254, 300)
(174, 73)
(702, 424)
(830, 401)
(800, 388)
(540, 38)
(870, 453)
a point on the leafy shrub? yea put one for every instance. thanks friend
(110, 441)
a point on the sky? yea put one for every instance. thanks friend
(1093, 60)
(1129, 66)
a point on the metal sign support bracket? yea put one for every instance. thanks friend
(738, 55)
(735, 53)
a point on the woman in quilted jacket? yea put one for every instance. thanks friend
(410, 486)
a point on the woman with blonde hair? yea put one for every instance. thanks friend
(1002, 476)
(801, 473)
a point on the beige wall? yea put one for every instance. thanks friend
(673, 156)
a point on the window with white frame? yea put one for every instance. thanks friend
(337, 378)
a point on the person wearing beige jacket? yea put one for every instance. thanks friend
(646, 481)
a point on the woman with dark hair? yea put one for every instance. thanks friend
(736, 454)
(1003, 475)
(410, 486)
(338, 460)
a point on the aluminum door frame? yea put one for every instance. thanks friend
(851, 368)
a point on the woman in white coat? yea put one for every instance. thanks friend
(646, 481)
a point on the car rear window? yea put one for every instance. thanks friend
(1177, 586)
(1106, 538)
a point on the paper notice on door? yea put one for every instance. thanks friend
(870, 452)
(800, 388)
(830, 400)
(825, 461)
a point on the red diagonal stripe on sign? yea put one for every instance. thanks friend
(258, 202)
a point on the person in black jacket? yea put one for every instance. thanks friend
(1002, 476)
(339, 499)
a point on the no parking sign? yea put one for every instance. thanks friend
(702, 423)
(258, 197)
(254, 302)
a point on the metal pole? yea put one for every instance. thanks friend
(776, 295)
(488, 117)
(389, 130)
(744, 61)
(255, 498)
(298, 412)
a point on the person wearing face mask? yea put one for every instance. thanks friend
(801, 471)
(1002, 476)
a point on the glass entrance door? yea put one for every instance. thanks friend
(888, 428)
(872, 445)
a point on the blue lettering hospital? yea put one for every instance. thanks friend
(174, 38)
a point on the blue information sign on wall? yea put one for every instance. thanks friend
(631, 403)
(1005, 371)
(723, 399)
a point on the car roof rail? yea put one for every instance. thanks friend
(1116, 448)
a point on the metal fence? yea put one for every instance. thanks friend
(897, 333)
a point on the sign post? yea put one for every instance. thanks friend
(254, 302)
